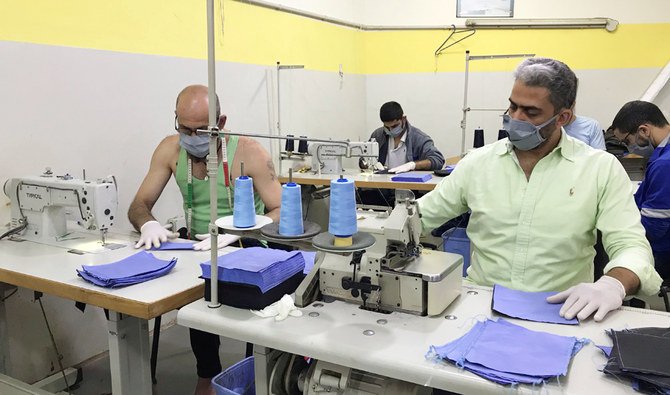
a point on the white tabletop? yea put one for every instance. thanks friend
(398, 347)
(52, 270)
(365, 180)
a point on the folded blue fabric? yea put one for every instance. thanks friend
(263, 267)
(134, 269)
(510, 354)
(412, 177)
(171, 246)
(531, 306)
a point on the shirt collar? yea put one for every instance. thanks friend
(565, 146)
(665, 141)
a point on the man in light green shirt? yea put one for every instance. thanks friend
(537, 199)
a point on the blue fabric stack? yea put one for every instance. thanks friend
(134, 269)
(262, 267)
(172, 246)
(505, 353)
(412, 177)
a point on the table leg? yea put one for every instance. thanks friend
(4, 334)
(129, 353)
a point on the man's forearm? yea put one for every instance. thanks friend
(630, 281)
(139, 214)
(274, 214)
(424, 164)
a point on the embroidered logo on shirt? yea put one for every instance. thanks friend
(572, 191)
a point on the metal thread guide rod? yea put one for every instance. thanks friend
(467, 109)
(290, 175)
(213, 159)
(281, 67)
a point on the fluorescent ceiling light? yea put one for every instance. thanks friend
(567, 23)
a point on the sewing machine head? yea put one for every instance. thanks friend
(43, 204)
(327, 157)
(396, 273)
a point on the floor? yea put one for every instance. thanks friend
(175, 370)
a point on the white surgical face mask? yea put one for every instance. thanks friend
(196, 145)
(524, 135)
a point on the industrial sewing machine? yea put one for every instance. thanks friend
(327, 157)
(41, 206)
(395, 274)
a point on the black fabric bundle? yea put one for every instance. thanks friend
(642, 354)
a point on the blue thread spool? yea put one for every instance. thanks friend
(502, 134)
(342, 221)
(244, 214)
(290, 212)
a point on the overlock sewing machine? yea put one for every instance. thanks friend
(41, 206)
(394, 274)
(327, 157)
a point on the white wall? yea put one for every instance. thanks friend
(433, 102)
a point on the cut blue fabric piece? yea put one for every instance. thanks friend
(511, 348)
(531, 306)
(171, 246)
(134, 269)
(606, 350)
(509, 354)
(309, 257)
(263, 267)
(412, 177)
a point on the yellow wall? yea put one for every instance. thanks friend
(257, 35)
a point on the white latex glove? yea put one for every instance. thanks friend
(583, 299)
(409, 166)
(153, 234)
(280, 309)
(222, 240)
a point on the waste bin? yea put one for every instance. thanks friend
(238, 379)
(455, 240)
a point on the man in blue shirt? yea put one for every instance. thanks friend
(645, 131)
(586, 130)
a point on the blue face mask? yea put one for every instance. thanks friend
(524, 135)
(644, 151)
(395, 131)
(197, 145)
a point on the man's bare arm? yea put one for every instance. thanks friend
(151, 188)
(258, 165)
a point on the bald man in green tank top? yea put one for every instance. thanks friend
(184, 155)
(185, 149)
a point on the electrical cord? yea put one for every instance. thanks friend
(59, 356)
(15, 230)
(9, 296)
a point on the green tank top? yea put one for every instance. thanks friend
(200, 204)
